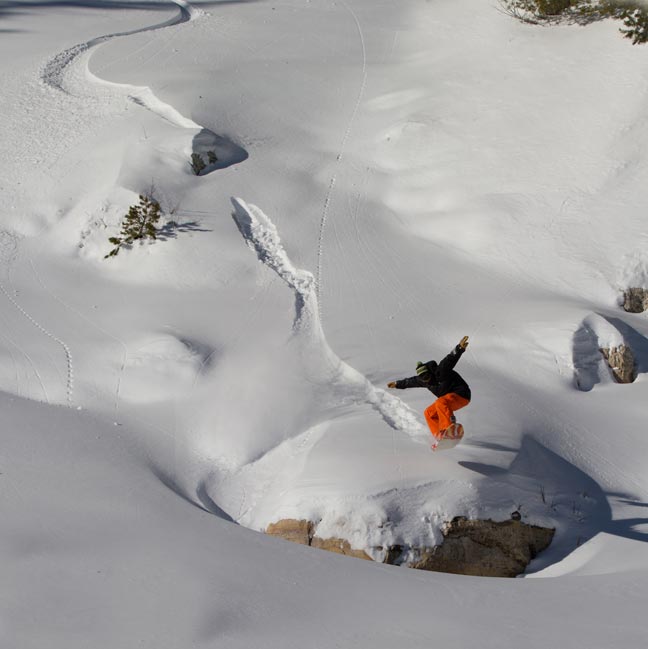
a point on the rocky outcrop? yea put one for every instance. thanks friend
(622, 363)
(302, 532)
(470, 547)
(485, 548)
(339, 546)
(296, 531)
(635, 300)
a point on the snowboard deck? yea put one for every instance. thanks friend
(448, 438)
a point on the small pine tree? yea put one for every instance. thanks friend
(197, 163)
(635, 19)
(139, 223)
(212, 157)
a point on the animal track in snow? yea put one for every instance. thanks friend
(49, 334)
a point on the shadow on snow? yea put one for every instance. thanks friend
(566, 494)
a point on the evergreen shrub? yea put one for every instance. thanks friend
(632, 13)
(139, 223)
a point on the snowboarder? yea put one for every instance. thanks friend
(451, 390)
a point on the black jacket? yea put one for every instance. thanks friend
(443, 378)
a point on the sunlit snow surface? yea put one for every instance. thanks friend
(389, 178)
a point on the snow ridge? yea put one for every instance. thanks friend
(262, 236)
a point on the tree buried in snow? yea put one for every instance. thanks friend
(139, 223)
(197, 163)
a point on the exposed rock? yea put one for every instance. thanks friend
(392, 554)
(622, 363)
(302, 532)
(486, 548)
(340, 546)
(297, 531)
(635, 300)
(470, 547)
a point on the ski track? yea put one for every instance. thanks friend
(343, 144)
(262, 236)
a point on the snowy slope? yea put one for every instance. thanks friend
(96, 553)
(390, 177)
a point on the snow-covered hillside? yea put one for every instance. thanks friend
(388, 178)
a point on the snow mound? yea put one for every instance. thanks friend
(595, 333)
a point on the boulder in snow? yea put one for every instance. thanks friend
(290, 529)
(599, 339)
(622, 363)
(635, 300)
(303, 532)
(486, 548)
(339, 546)
(470, 547)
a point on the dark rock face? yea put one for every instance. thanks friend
(635, 300)
(486, 548)
(622, 363)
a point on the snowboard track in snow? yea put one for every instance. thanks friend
(58, 74)
(54, 71)
(261, 236)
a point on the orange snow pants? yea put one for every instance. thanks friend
(439, 414)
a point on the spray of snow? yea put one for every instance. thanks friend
(262, 236)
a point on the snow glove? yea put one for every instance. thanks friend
(464, 343)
